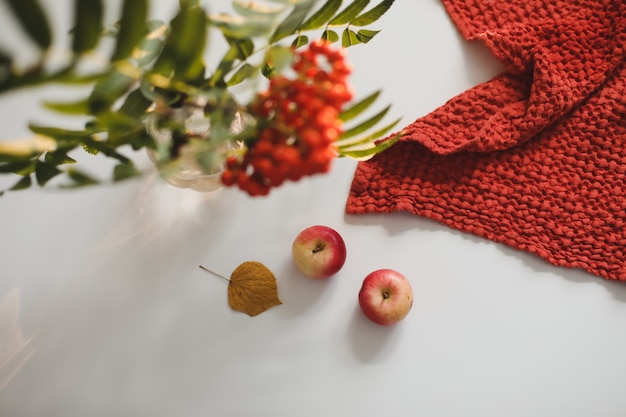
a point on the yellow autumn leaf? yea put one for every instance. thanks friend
(252, 289)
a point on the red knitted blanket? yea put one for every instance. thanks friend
(534, 158)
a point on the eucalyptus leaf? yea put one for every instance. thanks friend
(44, 172)
(367, 124)
(322, 16)
(373, 14)
(88, 15)
(350, 12)
(33, 20)
(132, 28)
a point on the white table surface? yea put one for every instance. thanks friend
(117, 319)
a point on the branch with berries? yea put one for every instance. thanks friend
(156, 92)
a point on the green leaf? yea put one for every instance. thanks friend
(371, 151)
(113, 122)
(80, 179)
(365, 35)
(246, 71)
(350, 143)
(140, 139)
(71, 78)
(58, 158)
(350, 12)
(257, 11)
(22, 184)
(75, 107)
(330, 36)
(18, 167)
(45, 172)
(292, 22)
(90, 149)
(65, 139)
(267, 70)
(125, 171)
(135, 104)
(88, 25)
(184, 46)
(241, 28)
(300, 41)
(225, 66)
(373, 14)
(106, 148)
(349, 38)
(108, 90)
(132, 28)
(33, 20)
(150, 47)
(239, 50)
(367, 124)
(323, 15)
(244, 46)
(359, 107)
(279, 57)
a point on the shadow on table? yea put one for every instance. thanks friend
(299, 293)
(398, 223)
(371, 342)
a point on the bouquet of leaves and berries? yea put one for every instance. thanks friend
(275, 107)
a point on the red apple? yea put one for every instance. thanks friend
(319, 251)
(386, 296)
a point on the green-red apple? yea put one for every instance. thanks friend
(319, 251)
(386, 296)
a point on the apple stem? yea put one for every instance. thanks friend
(385, 294)
(214, 273)
(318, 248)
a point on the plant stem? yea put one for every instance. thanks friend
(214, 273)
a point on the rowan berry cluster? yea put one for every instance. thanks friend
(298, 119)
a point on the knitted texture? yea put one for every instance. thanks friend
(535, 158)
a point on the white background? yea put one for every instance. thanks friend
(120, 321)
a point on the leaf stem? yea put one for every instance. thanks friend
(214, 273)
